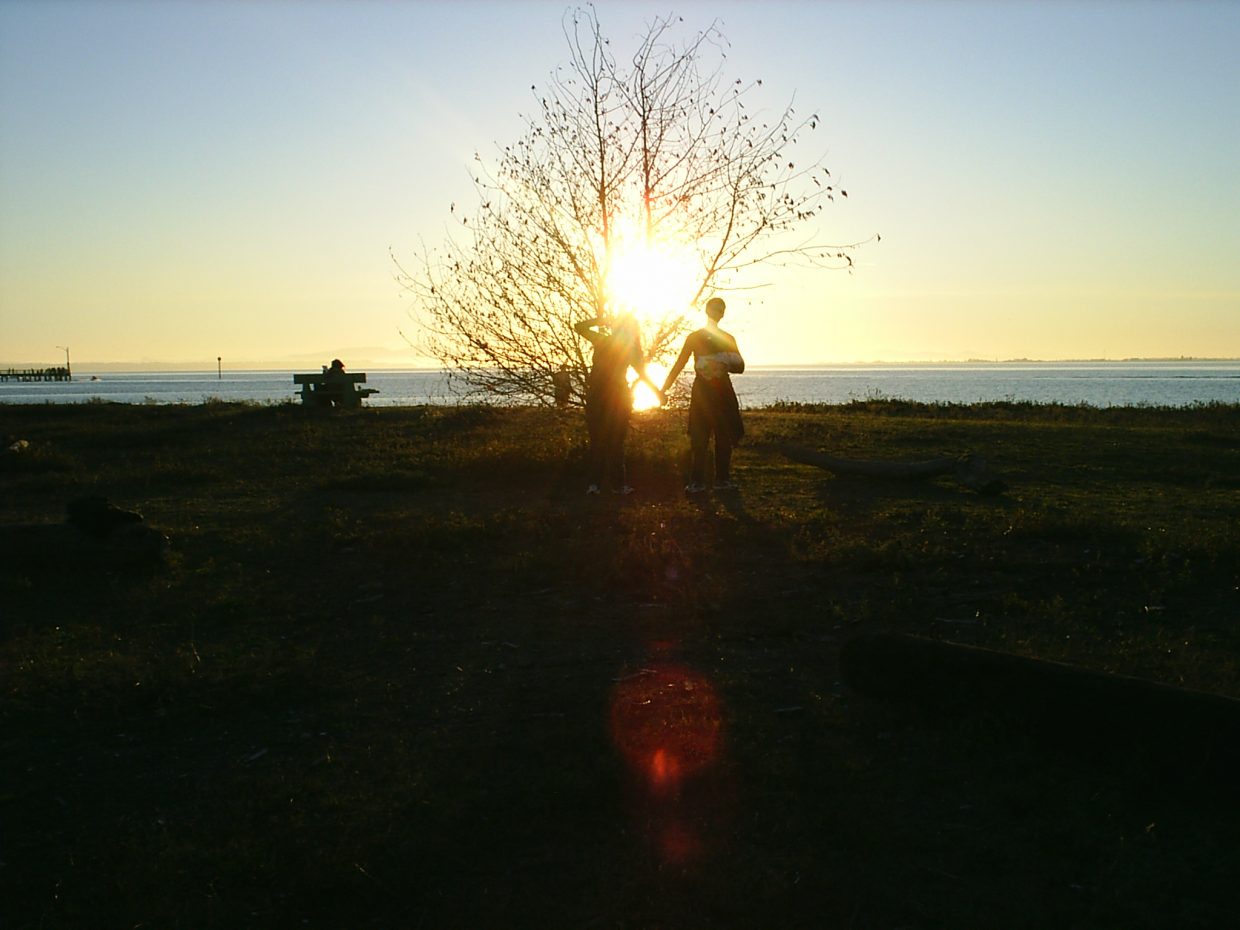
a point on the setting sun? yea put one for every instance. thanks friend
(652, 279)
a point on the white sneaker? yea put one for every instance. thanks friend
(624, 490)
(592, 489)
(694, 488)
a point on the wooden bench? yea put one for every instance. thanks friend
(337, 390)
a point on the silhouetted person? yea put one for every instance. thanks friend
(335, 384)
(713, 408)
(609, 399)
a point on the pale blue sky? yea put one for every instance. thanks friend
(180, 181)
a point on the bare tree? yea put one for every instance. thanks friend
(659, 152)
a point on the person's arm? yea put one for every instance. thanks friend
(644, 375)
(637, 361)
(730, 358)
(681, 361)
(587, 328)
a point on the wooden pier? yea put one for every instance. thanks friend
(36, 374)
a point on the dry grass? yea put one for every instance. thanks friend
(400, 671)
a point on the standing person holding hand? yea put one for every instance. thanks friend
(713, 408)
(609, 399)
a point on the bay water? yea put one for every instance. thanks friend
(1097, 384)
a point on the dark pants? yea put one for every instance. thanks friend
(607, 420)
(713, 411)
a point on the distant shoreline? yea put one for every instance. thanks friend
(197, 367)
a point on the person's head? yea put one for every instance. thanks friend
(715, 307)
(337, 365)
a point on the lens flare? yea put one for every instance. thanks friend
(667, 724)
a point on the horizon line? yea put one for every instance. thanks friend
(260, 365)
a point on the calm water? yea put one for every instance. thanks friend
(1107, 384)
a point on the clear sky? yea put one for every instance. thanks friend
(181, 181)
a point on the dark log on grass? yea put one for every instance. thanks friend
(1099, 714)
(95, 535)
(970, 471)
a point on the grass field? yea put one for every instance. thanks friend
(399, 671)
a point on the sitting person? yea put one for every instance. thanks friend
(336, 386)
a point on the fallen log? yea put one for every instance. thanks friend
(94, 535)
(1092, 713)
(970, 471)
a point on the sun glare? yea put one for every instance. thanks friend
(643, 397)
(654, 281)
